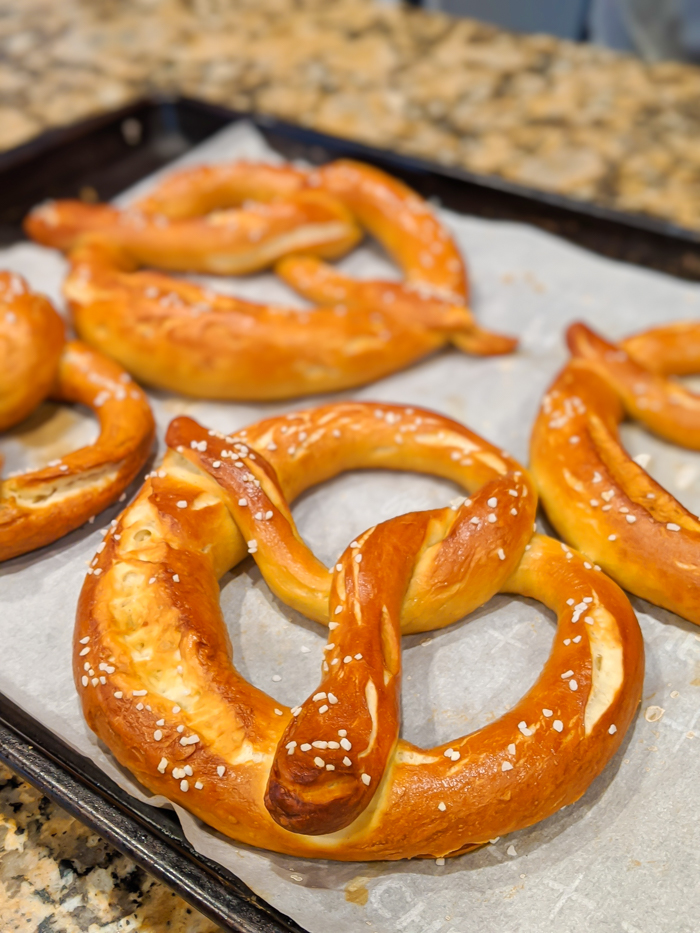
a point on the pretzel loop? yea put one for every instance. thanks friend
(31, 338)
(331, 777)
(596, 496)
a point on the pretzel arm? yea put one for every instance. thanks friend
(543, 753)
(31, 342)
(321, 283)
(596, 496)
(481, 342)
(168, 336)
(667, 408)
(317, 281)
(149, 626)
(257, 503)
(402, 222)
(673, 349)
(207, 739)
(408, 229)
(641, 490)
(471, 547)
(230, 242)
(62, 224)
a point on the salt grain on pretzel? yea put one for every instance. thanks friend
(599, 498)
(179, 336)
(331, 777)
(39, 506)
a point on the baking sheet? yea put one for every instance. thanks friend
(625, 857)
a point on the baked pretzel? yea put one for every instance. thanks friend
(331, 778)
(39, 506)
(182, 337)
(596, 496)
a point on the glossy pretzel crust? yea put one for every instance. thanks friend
(153, 667)
(596, 496)
(185, 338)
(31, 341)
(39, 506)
(238, 219)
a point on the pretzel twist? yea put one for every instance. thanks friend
(596, 496)
(331, 778)
(182, 337)
(39, 506)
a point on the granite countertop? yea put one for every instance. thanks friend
(540, 111)
(57, 876)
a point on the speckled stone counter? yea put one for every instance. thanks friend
(56, 876)
(537, 110)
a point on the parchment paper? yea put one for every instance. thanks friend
(625, 857)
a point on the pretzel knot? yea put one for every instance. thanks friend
(596, 496)
(39, 506)
(240, 218)
(331, 777)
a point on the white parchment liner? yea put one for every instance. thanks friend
(625, 857)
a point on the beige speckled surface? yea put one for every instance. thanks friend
(570, 118)
(56, 876)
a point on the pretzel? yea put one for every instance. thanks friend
(331, 778)
(596, 496)
(179, 336)
(39, 506)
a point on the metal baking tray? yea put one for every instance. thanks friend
(97, 159)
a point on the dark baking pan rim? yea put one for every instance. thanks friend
(152, 837)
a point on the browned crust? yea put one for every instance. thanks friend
(31, 341)
(596, 496)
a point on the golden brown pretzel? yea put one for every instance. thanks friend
(31, 340)
(179, 336)
(331, 778)
(596, 496)
(39, 506)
